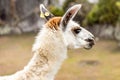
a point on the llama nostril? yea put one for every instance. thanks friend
(91, 41)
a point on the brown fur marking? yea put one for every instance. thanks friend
(54, 22)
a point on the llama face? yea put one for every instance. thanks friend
(74, 35)
(77, 37)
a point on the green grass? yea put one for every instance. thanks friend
(102, 62)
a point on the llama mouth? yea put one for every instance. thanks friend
(89, 46)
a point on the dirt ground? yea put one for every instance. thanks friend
(102, 62)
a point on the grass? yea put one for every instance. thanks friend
(102, 62)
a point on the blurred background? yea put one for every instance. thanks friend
(20, 23)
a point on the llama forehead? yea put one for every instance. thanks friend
(54, 23)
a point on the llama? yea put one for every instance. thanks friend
(50, 48)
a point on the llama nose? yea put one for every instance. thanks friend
(91, 41)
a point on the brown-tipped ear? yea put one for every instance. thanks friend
(44, 13)
(70, 14)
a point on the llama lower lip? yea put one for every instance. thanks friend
(88, 47)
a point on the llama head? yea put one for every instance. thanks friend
(74, 35)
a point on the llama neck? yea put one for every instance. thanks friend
(49, 53)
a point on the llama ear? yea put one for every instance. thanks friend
(70, 14)
(44, 13)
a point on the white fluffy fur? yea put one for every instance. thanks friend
(49, 53)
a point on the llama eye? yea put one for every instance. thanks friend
(77, 31)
